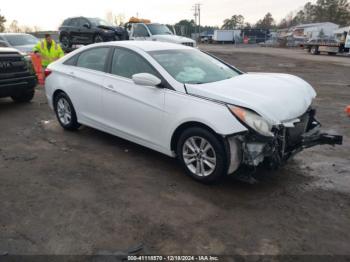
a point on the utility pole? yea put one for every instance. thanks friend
(197, 14)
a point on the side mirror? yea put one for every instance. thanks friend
(146, 79)
(86, 25)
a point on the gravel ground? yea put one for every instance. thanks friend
(89, 192)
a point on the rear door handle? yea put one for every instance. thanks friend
(71, 74)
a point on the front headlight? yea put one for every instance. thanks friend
(252, 119)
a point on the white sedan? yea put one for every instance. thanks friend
(184, 103)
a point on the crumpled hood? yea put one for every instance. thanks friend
(276, 97)
(172, 39)
(117, 29)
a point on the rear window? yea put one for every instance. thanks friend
(18, 40)
(66, 22)
(94, 59)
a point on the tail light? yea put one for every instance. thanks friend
(47, 72)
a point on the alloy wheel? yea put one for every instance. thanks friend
(199, 156)
(64, 111)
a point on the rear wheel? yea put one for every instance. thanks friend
(65, 112)
(314, 50)
(202, 155)
(98, 39)
(24, 97)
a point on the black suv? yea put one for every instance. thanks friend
(84, 31)
(17, 75)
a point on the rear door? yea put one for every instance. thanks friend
(86, 83)
(85, 33)
(74, 30)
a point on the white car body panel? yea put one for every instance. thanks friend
(172, 39)
(149, 115)
(276, 97)
(175, 39)
(145, 115)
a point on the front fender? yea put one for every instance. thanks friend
(182, 108)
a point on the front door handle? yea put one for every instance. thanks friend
(111, 88)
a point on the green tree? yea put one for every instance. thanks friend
(185, 27)
(336, 11)
(236, 21)
(266, 23)
(2, 23)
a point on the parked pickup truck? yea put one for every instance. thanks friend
(157, 32)
(17, 76)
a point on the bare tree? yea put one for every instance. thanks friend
(14, 27)
(110, 17)
(119, 19)
(2, 23)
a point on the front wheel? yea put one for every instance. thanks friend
(24, 97)
(202, 155)
(65, 112)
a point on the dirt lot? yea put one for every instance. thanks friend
(89, 192)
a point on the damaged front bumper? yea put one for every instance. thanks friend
(286, 142)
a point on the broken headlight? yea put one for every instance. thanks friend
(252, 119)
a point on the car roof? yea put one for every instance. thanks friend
(148, 46)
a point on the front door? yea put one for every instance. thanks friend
(133, 110)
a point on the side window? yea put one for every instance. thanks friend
(67, 22)
(82, 21)
(73, 22)
(94, 59)
(140, 31)
(72, 61)
(3, 43)
(127, 63)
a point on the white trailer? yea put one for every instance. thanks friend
(226, 35)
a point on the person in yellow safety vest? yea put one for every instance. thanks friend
(49, 50)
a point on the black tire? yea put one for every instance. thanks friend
(66, 42)
(314, 50)
(98, 39)
(217, 150)
(24, 97)
(72, 122)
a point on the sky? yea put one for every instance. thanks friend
(49, 14)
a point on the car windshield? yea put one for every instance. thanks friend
(193, 66)
(157, 29)
(99, 21)
(18, 40)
